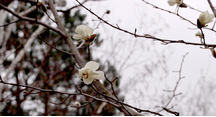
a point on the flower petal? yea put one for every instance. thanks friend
(171, 2)
(211, 17)
(92, 73)
(88, 80)
(99, 76)
(80, 28)
(84, 30)
(77, 36)
(88, 31)
(92, 65)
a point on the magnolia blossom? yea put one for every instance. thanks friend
(83, 32)
(205, 18)
(89, 73)
(173, 2)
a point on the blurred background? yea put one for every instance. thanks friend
(147, 70)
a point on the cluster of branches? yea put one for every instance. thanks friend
(101, 93)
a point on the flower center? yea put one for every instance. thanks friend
(85, 74)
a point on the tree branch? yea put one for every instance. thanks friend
(212, 7)
(70, 43)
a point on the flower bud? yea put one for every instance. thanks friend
(204, 18)
(198, 34)
(213, 52)
(108, 12)
(77, 104)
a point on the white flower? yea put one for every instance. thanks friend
(199, 34)
(173, 2)
(77, 104)
(205, 18)
(89, 73)
(83, 32)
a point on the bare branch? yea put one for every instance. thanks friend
(173, 112)
(112, 86)
(9, 23)
(61, 102)
(55, 47)
(169, 12)
(177, 84)
(164, 41)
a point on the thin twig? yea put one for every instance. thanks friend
(71, 7)
(56, 47)
(193, 8)
(80, 91)
(61, 102)
(169, 12)
(83, 104)
(112, 86)
(9, 23)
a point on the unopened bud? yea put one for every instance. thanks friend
(25, 92)
(77, 104)
(213, 52)
(108, 12)
(42, 6)
(198, 34)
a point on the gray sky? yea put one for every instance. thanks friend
(131, 14)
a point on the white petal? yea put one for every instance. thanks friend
(171, 2)
(202, 19)
(92, 73)
(88, 31)
(92, 65)
(80, 28)
(99, 76)
(88, 80)
(211, 17)
(84, 30)
(77, 36)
